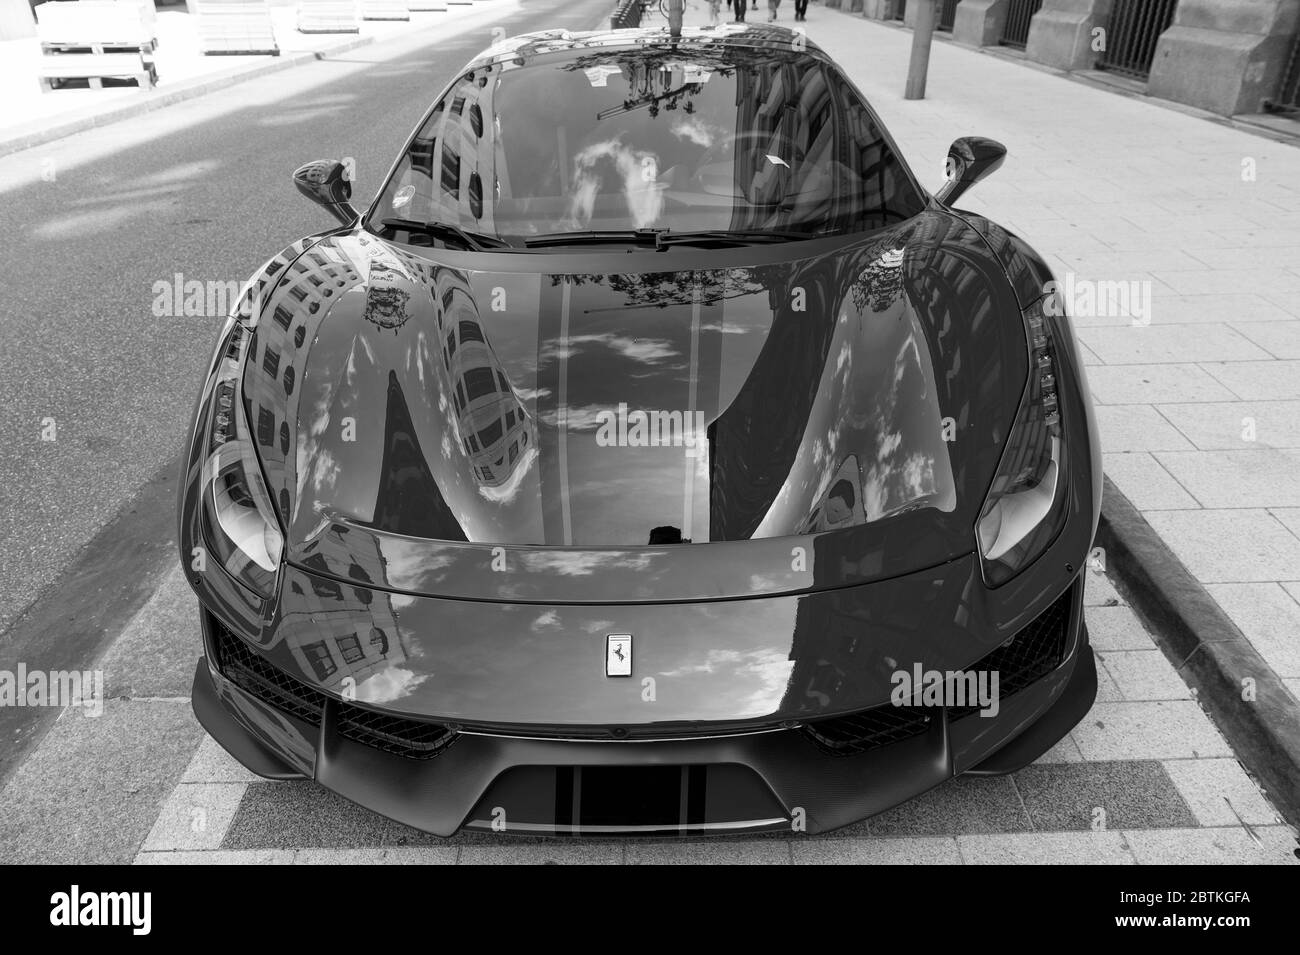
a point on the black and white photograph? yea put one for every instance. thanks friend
(651, 432)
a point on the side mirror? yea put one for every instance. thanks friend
(970, 159)
(328, 183)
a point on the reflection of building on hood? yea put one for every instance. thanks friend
(387, 297)
(347, 638)
(840, 505)
(496, 432)
(639, 171)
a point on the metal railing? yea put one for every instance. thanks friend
(1132, 34)
(626, 15)
(1015, 32)
(947, 15)
(1288, 92)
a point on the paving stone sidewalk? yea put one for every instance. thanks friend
(1198, 398)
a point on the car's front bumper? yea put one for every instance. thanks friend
(770, 779)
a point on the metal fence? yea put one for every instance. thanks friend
(626, 15)
(1288, 93)
(1015, 32)
(1132, 33)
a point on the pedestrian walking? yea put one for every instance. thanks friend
(714, 8)
(801, 9)
(739, 11)
(771, 10)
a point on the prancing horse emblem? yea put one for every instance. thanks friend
(618, 654)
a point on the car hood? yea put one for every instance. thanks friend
(684, 420)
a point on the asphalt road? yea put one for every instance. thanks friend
(200, 188)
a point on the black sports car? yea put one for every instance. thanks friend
(655, 455)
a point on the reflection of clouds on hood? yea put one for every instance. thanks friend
(767, 671)
(579, 417)
(638, 169)
(325, 473)
(581, 563)
(531, 394)
(918, 475)
(645, 350)
(547, 620)
(696, 130)
(844, 360)
(389, 685)
(408, 562)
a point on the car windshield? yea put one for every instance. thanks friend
(714, 138)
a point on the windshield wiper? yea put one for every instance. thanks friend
(614, 237)
(476, 241)
(663, 238)
(730, 237)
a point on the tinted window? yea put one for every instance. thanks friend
(707, 138)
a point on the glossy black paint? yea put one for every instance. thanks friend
(484, 599)
(326, 183)
(970, 159)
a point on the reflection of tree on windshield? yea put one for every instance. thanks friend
(667, 289)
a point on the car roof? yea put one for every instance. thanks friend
(724, 36)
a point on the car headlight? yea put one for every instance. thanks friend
(1024, 509)
(239, 522)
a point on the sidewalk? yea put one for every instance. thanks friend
(30, 115)
(1199, 409)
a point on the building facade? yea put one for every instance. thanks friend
(1229, 57)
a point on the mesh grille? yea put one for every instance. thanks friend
(867, 730)
(393, 734)
(257, 677)
(252, 673)
(1035, 651)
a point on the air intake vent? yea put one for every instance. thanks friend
(255, 675)
(1035, 651)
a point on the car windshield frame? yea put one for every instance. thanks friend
(907, 198)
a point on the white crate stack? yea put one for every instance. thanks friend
(236, 26)
(385, 10)
(96, 40)
(128, 24)
(329, 16)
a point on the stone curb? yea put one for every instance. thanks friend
(1208, 650)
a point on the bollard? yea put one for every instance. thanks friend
(927, 14)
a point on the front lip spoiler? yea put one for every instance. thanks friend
(440, 795)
